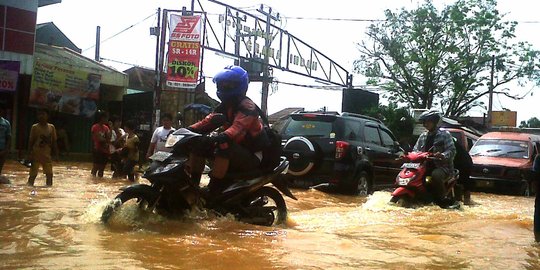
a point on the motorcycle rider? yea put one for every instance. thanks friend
(238, 147)
(440, 143)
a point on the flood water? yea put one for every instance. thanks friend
(59, 228)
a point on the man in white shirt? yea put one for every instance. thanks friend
(157, 143)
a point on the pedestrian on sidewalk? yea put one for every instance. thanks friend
(159, 138)
(41, 146)
(101, 137)
(130, 151)
(5, 136)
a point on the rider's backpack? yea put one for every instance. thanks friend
(271, 153)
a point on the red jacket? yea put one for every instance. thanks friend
(243, 125)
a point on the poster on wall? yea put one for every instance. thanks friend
(61, 88)
(183, 62)
(9, 74)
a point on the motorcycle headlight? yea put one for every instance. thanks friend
(405, 181)
(172, 140)
(168, 167)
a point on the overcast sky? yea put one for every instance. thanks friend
(337, 39)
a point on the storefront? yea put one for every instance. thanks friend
(72, 87)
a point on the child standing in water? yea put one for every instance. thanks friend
(131, 150)
(41, 145)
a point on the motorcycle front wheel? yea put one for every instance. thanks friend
(145, 195)
(264, 207)
(401, 201)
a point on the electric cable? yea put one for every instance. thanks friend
(122, 31)
(124, 63)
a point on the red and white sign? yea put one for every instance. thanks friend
(9, 74)
(184, 58)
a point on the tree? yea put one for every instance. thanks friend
(429, 58)
(531, 123)
(398, 120)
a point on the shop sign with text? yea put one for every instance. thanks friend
(9, 74)
(59, 87)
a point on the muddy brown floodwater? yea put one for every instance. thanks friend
(59, 228)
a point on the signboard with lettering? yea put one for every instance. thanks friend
(59, 87)
(504, 118)
(9, 73)
(184, 51)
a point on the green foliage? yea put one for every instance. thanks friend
(430, 58)
(398, 120)
(531, 123)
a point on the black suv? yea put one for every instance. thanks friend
(351, 152)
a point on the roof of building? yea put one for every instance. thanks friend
(48, 33)
(42, 3)
(283, 113)
(141, 78)
(66, 56)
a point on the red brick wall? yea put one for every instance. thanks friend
(17, 30)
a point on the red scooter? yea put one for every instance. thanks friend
(412, 179)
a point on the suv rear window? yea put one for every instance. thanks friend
(306, 126)
(501, 148)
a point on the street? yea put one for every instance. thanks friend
(59, 228)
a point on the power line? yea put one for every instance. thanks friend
(127, 28)
(363, 20)
(124, 63)
(334, 19)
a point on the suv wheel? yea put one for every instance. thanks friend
(363, 184)
(301, 154)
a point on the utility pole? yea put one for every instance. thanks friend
(238, 20)
(97, 56)
(490, 104)
(266, 71)
(160, 47)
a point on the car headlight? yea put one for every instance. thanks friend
(172, 140)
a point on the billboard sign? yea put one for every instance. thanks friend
(184, 58)
(59, 87)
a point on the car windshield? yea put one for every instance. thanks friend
(308, 128)
(501, 148)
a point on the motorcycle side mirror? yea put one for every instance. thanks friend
(218, 119)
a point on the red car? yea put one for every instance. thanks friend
(503, 160)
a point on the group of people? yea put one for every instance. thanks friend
(120, 146)
(114, 144)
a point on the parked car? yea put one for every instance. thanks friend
(503, 160)
(465, 138)
(350, 152)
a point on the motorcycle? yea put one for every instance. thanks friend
(411, 183)
(254, 197)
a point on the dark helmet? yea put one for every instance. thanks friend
(232, 83)
(430, 116)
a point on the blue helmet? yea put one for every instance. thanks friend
(232, 83)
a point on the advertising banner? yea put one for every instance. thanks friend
(504, 118)
(59, 87)
(9, 74)
(184, 58)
